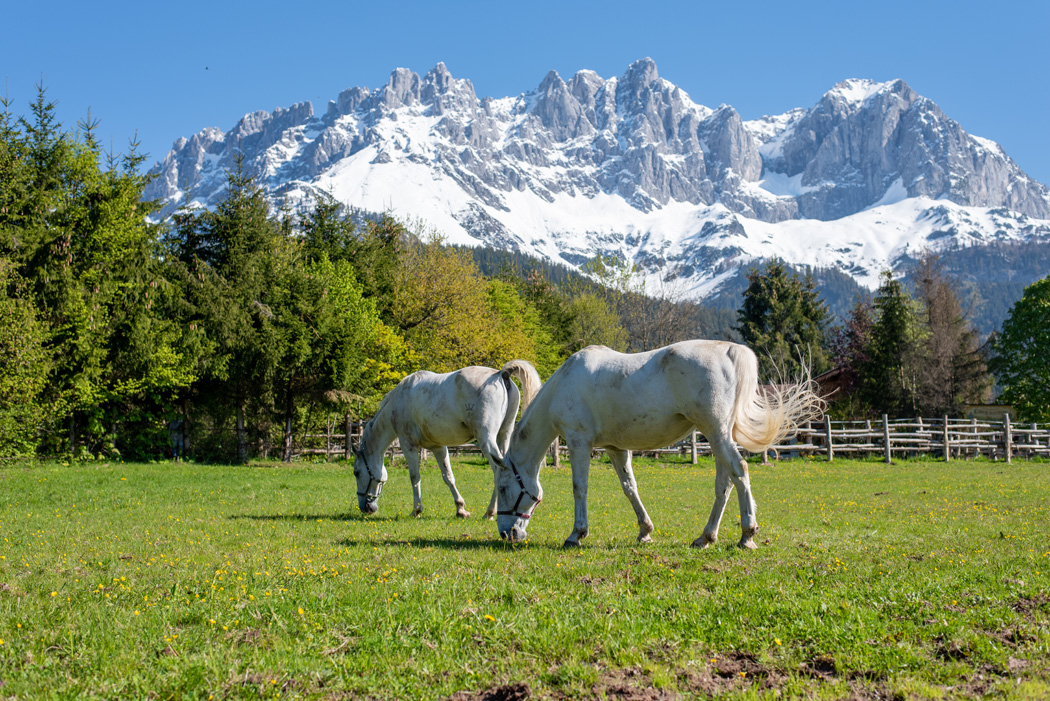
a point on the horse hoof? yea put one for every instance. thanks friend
(702, 542)
(571, 544)
(747, 544)
(645, 538)
(418, 512)
(462, 513)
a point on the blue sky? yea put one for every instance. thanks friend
(169, 70)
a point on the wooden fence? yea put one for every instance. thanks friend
(942, 437)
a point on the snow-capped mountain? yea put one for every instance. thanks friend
(632, 167)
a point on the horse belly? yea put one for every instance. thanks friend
(436, 434)
(643, 433)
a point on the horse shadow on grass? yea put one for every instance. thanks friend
(350, 516)
(441, 543)
(338, 517)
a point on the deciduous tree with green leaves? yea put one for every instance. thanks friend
(1022, 354)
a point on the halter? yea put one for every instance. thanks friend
(372, 481)
(524, 492)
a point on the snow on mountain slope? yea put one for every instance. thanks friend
(632, 167)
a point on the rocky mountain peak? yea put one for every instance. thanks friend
(629, 166)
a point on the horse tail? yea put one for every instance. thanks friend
(527, 376)
(765, 418)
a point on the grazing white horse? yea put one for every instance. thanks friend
(643, 401)
(432, 411)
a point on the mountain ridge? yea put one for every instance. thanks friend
(631, 167)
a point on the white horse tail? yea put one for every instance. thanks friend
(765, 418)
(527, 376)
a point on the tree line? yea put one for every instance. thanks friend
(239, 323)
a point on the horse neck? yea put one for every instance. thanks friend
(527, 452)
(379, 433)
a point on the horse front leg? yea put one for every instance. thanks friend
(446, 474)
(580, 459)
(412, 458)
(621, 461)
(490, 513)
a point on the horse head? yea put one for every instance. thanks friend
(370, 480)
(517, 495)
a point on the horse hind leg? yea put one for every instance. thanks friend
(732, 465)
(723, 486)
(446, 474)
(621, 461)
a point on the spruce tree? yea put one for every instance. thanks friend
(889, 375)
(783, 320)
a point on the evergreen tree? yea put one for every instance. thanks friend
(76, 232)
(889, 375)
(227, 266)
(849, 347)
(783, 320)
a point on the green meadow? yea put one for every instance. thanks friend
(920, 579)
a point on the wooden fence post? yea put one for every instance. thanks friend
(347, 447)
(557, 451)
(947, 442)
(886, 436)
(692, 444)
(1008, 438)
(918, 437)
(977, 450)
(827, 435)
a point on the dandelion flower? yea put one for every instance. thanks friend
(489, 618)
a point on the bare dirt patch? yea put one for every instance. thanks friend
(1028, 606)
(629, 685)
(507, 692)
(820, 667)
(730, 671)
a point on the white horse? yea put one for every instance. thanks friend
(432, 411)
(643, 401)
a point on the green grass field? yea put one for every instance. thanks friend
(914, 580)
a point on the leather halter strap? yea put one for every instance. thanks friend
(372, 480)
(523, 493)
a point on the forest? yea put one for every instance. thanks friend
(236, 323)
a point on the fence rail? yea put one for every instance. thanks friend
(941, 437)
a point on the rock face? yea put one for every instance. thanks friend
(629, 166)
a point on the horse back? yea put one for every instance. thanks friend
(444, 409)
(633, 400)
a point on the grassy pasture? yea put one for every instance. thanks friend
(914, 580)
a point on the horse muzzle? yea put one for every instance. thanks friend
(514, 535)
